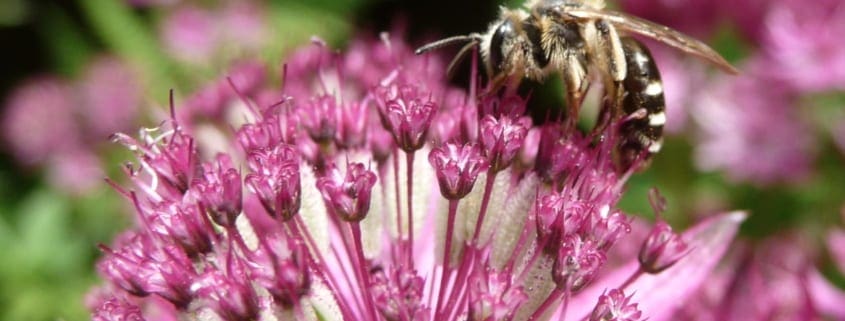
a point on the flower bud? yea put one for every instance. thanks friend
(406, 111)
(615, 306)
(275, 180)
(348, 195)
(220, 191)
(577, 263)
(457, 168)
(115, 309)
(502, 138)
(661, 249)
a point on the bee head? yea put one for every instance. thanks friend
(501, 45)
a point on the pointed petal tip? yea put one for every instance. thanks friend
(737, 216)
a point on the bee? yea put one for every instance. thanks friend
(580, 39)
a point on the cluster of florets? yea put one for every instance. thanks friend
(318, 206)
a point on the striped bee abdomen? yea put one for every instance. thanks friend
(641, 89)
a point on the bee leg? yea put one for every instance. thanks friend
(565, 48)
(607, 49)
(608, 55)
(642, 105)
(575, 78)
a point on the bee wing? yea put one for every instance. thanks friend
(658, 32)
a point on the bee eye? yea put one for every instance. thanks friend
(497, 48)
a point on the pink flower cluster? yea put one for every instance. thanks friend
(50, 121)
(194, 34)
(370, 189)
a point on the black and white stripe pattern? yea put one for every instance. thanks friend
(641, 89)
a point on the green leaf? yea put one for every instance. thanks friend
(68, 48)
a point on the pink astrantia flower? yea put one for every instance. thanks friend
(196, 35)
(189, 33)
(801, 40)
(26, 112)
(335, 227)
(772, 279)
(111, 90)
(59, 124)
(750, 130)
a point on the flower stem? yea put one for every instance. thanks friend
(485, 201)
(318, 262)
(556, 293)
(409, 157)
(447, 251)
(631, 279)
(396, 192)
(362, 268)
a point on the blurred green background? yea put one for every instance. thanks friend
(48, 236)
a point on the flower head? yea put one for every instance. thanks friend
(661, 249)
(333, 217)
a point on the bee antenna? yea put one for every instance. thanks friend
(448, 41)
(466, 49)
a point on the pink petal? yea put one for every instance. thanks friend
(827, 298)
(836, 246)
(660, 295)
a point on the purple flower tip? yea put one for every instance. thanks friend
(115, 309)
(577, 263)
(319, 118)
(227, 296)
(457, 167)
(558, 218)
(220, 191)
(184, 224)
(398, 293)
(406, 111)
(502, 138)
(493, 295)
(348, 195)
(280, 268)
(275, 180)
(661, 249)
(142, 268)
(615, 306)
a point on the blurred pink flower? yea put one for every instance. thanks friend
(59, 124)
(196, 35)
(110, 97)
(39, 119)
(774, 279)
(804, 44)
(189, 33)
(750, 130)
